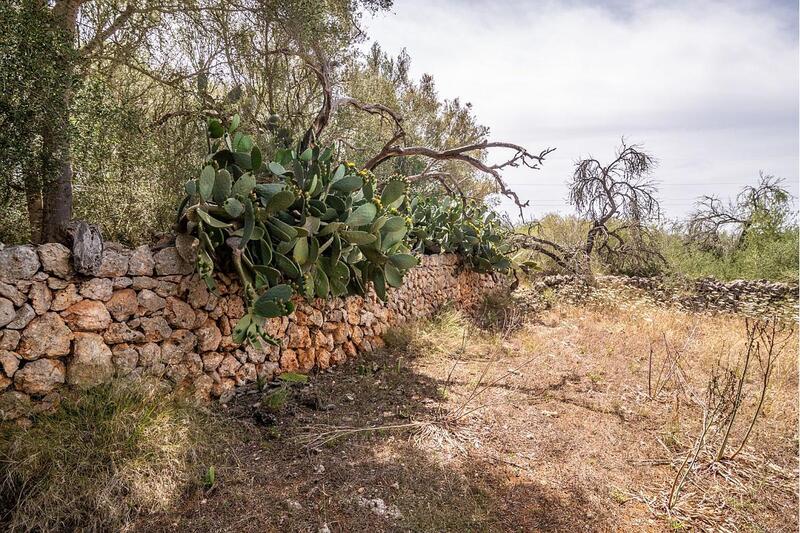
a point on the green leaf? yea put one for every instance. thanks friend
(280, 201)
(362, 216)
(348, 184)
(211, 221)
(206, 183)
(394, 224)
(321, 283)
(268, 308)
(293, 377)
(279, 292)
(287, 266)
(338, 173)
(306, 155)
(379, 282)
(222, 186)
(255, 158)
(240, 330)
(244, 185)
(393, 276)
(234, 123)
(392, 192)
(215, 129)
(300, 253)
(190, 187)
(403, 261)
(276, 168)
(233, 207)
(358, 237)
(249, 223)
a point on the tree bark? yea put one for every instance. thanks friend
(56, 156)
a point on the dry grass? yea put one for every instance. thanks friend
(101, 459)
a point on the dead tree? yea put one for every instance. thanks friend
(619, 202)
(712, 217)
(472, 154)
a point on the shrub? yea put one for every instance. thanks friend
(100, 458)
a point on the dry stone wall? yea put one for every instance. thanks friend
(147, 315)
(756, 298)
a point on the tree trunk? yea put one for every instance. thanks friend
(56, 156)
(33, 200)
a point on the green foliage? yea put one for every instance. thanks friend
(300, 224)
(468, 228)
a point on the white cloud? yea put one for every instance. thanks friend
(710, 88)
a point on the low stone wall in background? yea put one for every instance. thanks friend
(146, 314)
(756, 298)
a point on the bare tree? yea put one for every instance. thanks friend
(618, 200)
(473, 154)
(766, 202)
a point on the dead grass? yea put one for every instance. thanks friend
(101, 459)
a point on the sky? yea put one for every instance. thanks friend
(709, 88)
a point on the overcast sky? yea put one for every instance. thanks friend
(710, 88)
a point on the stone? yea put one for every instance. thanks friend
(18, 262)
(40, 297)
(9, 340)
(91, 363)
(97, 289)
(46, 336)
(119, 332)
(211, 360)
(323, 359)
(267, 371)
(12, 293)
(299, 336)
(181, 342)
(7, 311)
(40, 376)
(150, 301)
(56, 259)
(14, 404)
(141, 262)
(235, 307)
(123, 304)
(203, 385)
(306, 357)
(87, 315)
(228, 367)
(166, 288)
(288, 361)
(125, 359)
(179, 313)
(208, 337)
(246, 374)
(144, 282)
(65, 297)
(169, 262)
(155, 329)
(121, 283)
(22, 318)
(198, 294)
(149, 354)
(113, 264)
(9, 362)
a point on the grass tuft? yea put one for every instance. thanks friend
(100, 459)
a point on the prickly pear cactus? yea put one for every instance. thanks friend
(297, 224)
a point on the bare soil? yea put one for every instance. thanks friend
(545, 425)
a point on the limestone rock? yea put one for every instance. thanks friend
(98, 289)
(228, 367)
(181, 342)
(12, 293)
(123, 304)
(155, 329)
(289, 361)
(46, 336)
(7, 311)
(149, 354)
(18, 262)
(40, 376)
(169, 262)
(40, 296)
(9, 362)
(65, 297)
(87, 315)
(208, 337)
(14, 404)
(125, 358)
(55, 259)
(179, 313)
(119, 332)
(150, 301)
(91, 362)
(9, 340)
(114, 264)
(141, 262)
(211, 361)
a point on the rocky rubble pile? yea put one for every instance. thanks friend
(146, 314)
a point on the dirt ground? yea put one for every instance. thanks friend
(544, 424)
